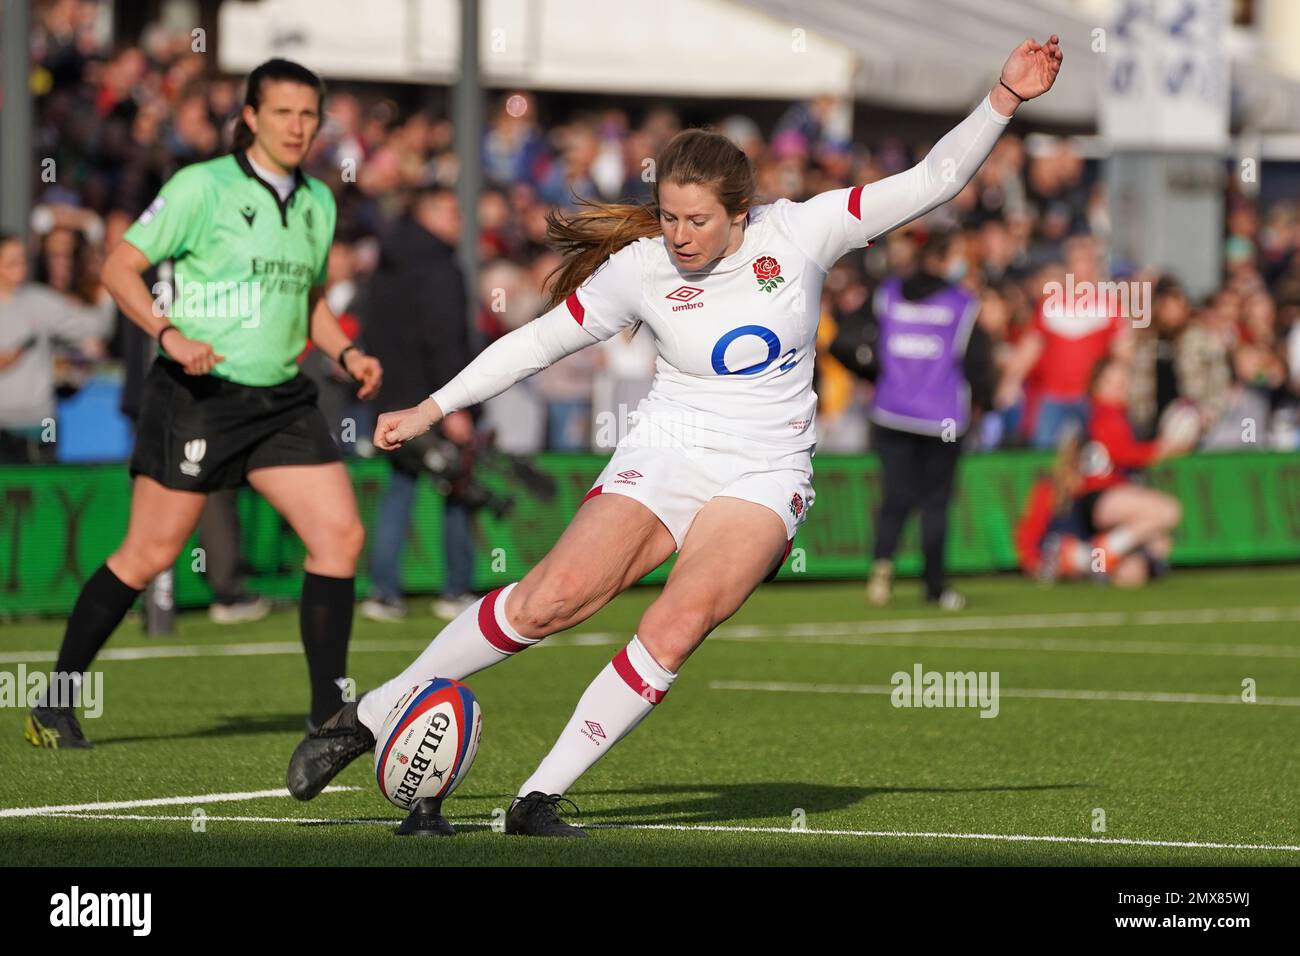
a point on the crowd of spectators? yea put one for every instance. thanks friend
(113, 125)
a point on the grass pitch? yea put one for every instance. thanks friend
(1121, 738)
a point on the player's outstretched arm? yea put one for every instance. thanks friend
(832, 223)
(1029, 72)
(510, 359)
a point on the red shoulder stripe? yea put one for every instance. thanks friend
(575, 307)
(855, 202)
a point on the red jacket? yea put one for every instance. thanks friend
(1113, 451)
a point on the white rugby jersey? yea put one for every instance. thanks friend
(735, 340)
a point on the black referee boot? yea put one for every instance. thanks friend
(55, 728)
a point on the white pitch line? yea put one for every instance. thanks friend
(167, 651)
(1068, 645)
(1008, 837)
(718, 828)
(214, 818)
(271, 648)
(155, 802)
(1156, 697)
(901, 632)
(1072, 619)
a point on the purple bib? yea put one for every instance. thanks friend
(921, 386)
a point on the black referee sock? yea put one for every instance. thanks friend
(100, 607)
(325, 619)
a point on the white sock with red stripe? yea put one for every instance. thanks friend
(478, 638)
(615, 702)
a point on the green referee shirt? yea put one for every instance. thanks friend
(243, 262)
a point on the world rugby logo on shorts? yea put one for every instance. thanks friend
(195, 449)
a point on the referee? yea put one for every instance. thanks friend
(224, 404)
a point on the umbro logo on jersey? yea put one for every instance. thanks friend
(249, 214)
(195, 449)
(685, 294)
(307, 218)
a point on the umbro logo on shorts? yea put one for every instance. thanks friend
(195, 449)
(628, 477)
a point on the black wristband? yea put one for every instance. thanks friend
(1011, 91)
(163, 331)
(342, 356)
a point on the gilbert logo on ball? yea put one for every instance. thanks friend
(428, 742)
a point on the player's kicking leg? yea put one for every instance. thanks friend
(611, 543)
(730, 548)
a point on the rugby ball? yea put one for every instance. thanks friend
(1180, 424)
(428, 742)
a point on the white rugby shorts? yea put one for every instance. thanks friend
(675, 480)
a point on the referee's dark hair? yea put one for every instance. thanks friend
(274, 69)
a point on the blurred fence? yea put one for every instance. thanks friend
(58, 523)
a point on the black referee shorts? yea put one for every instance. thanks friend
(203, 433)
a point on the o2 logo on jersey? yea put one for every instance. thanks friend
(719, 357)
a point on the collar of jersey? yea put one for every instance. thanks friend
(299, 180)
